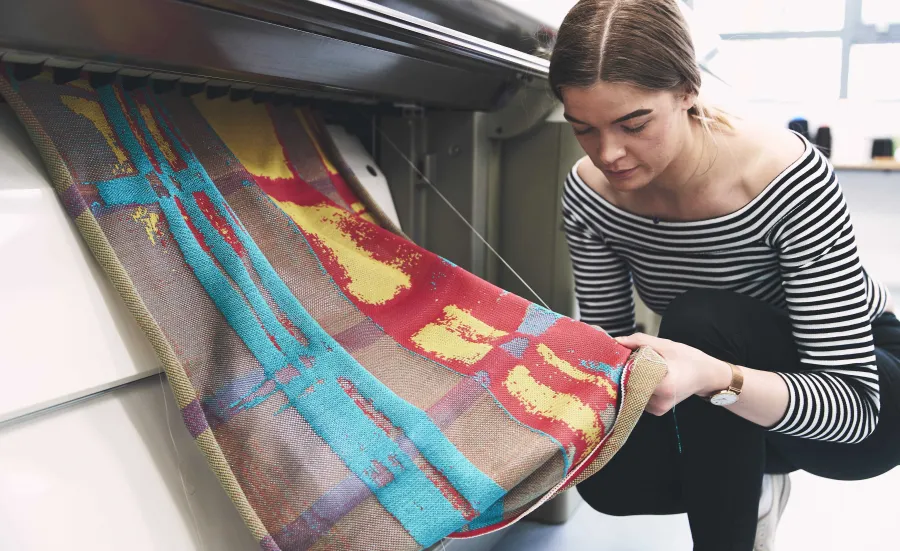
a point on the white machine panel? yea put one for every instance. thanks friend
(65, 331)
(103, 475)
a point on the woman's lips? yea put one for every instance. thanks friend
(620, 174)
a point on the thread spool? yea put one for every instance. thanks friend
(823, 140)
(883, 149)
(800, 126)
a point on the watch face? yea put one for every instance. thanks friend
(724, 399)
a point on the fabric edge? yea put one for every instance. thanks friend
(647, 369)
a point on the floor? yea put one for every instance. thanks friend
(822, 515)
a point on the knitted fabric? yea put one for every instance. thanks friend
(350, 389)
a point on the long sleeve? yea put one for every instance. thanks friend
(831, 302)
(603, 283)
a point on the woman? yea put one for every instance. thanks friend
(783, 353)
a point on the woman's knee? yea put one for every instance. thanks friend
(730, 326)
(695, 315)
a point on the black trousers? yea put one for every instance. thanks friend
(717, 477)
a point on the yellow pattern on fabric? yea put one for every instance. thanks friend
(458, 335)
(157, 135)
(92, 111)
(81, 83)
(371, 281)
(543, 400)
(247, 130)
(150, 220)
(46, 75)
(551, 358)
(360, 209)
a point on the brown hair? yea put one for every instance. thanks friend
(644, 43)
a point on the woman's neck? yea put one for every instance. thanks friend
(690, 169)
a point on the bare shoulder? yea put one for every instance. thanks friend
(592, 176)
(768, 152)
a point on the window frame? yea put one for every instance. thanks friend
(854, 32)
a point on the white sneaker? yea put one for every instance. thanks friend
(780, 485)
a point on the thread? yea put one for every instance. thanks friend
(675, 417)
(178, 460)
(499, 257)
(459, 214)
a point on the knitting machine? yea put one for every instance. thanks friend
(440, 108)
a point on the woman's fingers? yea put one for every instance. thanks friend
(657, 406)
(637, 340)
(664, 397)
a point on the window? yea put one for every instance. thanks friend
(761, 16)
(781, 69)
(880, 12)
(873, 73)
(806, 49)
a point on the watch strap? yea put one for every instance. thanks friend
(737, 379)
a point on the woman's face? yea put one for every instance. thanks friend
(630, 133)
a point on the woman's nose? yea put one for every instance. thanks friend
(609, 151)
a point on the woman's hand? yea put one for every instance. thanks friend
(690, 372)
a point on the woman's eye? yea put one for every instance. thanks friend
(635, 129)
(584, 131)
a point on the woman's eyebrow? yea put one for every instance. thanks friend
(633, 115)
(629, 116)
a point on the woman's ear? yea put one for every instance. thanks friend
(688, 100)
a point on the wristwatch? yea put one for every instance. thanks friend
(731, 394)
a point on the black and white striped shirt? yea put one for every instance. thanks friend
(792, 246)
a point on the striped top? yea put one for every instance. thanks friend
(792, 246)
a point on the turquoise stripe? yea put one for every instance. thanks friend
(120, 124)
(235, 268)
(217, 286)
(130, 189)
(478, 488)
(127, 190)
(219, 289)
(492, 516)
(191, 182)
(411, 497)
(356, 439)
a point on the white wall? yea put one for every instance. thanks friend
(874, 201)
(550, 12)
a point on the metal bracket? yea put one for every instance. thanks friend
(525, 111)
